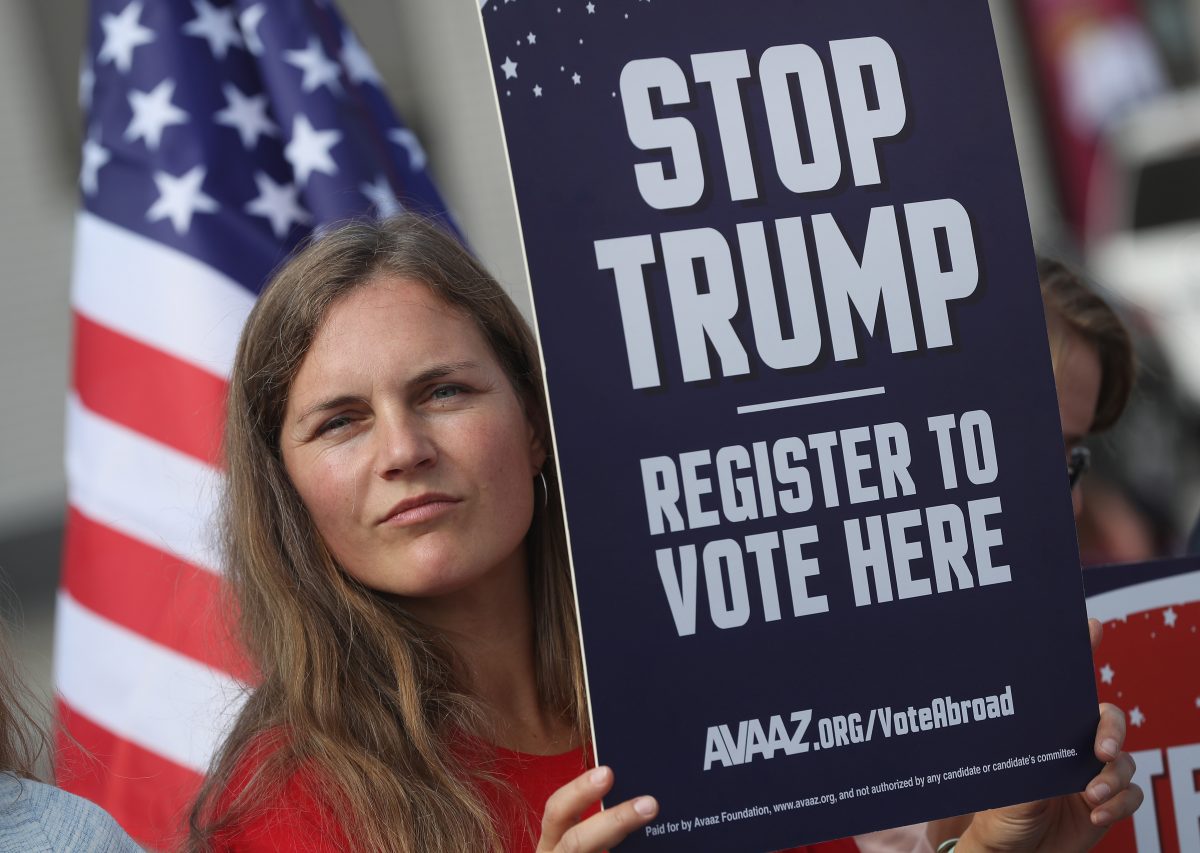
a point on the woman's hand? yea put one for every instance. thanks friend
(1074, 822)
(564, 832)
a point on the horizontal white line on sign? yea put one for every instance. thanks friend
(157, 295)
(147, 694)
(809, 401)
(144, 489)
(1151, 595)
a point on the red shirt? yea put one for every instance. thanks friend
(301, 820)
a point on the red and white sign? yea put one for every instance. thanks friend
(1149, 665)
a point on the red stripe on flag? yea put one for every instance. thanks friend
(149, 391)
(146, 793)
(167, 600)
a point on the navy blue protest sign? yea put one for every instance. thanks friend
(803, 409)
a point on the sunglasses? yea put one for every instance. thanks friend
(1078, 464)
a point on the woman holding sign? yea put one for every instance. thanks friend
(398, 557)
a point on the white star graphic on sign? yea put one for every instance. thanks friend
(87, 84)
(537, 91)
(358, 63)
(591, 7)
(531, 38)
(380, 194)
(308, 151)
(405, 138)
(180, 198)
(278, 203)
(216, 26)
(1169, 617)
(248, 21)
(509, 68)
(153, 112)
(122, 35)
(1106, 674)
(319, 70)
(95, 156)
(1137, 717)
(576, 78)
(247, 114)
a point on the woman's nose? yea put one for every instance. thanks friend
(404, 444)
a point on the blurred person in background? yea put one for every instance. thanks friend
(1094, 372)
(36, 817)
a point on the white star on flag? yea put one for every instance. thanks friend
(591, 7)
(180, 198)
(95, 156)
(153, 112)
(1169, 617)
(87, 84)
(247, 114)
(357, 61)
(122, 35)
(248, 21)
(405, 138)
(531, 38)
(216, 26)
(308, 151)
(319, 70)
(278, 203)
(509, 68)
(1106, 674)
(576, 78)
(537, 91)
(380, 194)
(1136, 717)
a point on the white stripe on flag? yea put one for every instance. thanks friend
(157, 295)
(141, 488)
(149, 695)
(1151, 595)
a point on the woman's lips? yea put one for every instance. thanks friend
(419, 510)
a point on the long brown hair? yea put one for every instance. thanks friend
(23, 740)
(355, 692)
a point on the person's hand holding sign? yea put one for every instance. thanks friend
(562, 829)
(1075, 821)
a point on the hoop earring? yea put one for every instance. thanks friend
(545, 490)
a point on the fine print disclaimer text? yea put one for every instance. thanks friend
(946, 777)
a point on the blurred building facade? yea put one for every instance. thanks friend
(431, 53)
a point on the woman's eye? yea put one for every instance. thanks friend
(445, 392)
(333, 424)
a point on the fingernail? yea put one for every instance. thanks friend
(1101, 818)
(645, 806)
(1099, 793)
(598, 776)
(1110, 747)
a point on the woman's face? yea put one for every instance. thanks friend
(408, 443)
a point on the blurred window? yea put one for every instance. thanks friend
(1168, 192)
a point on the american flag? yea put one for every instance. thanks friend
(219, 134)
